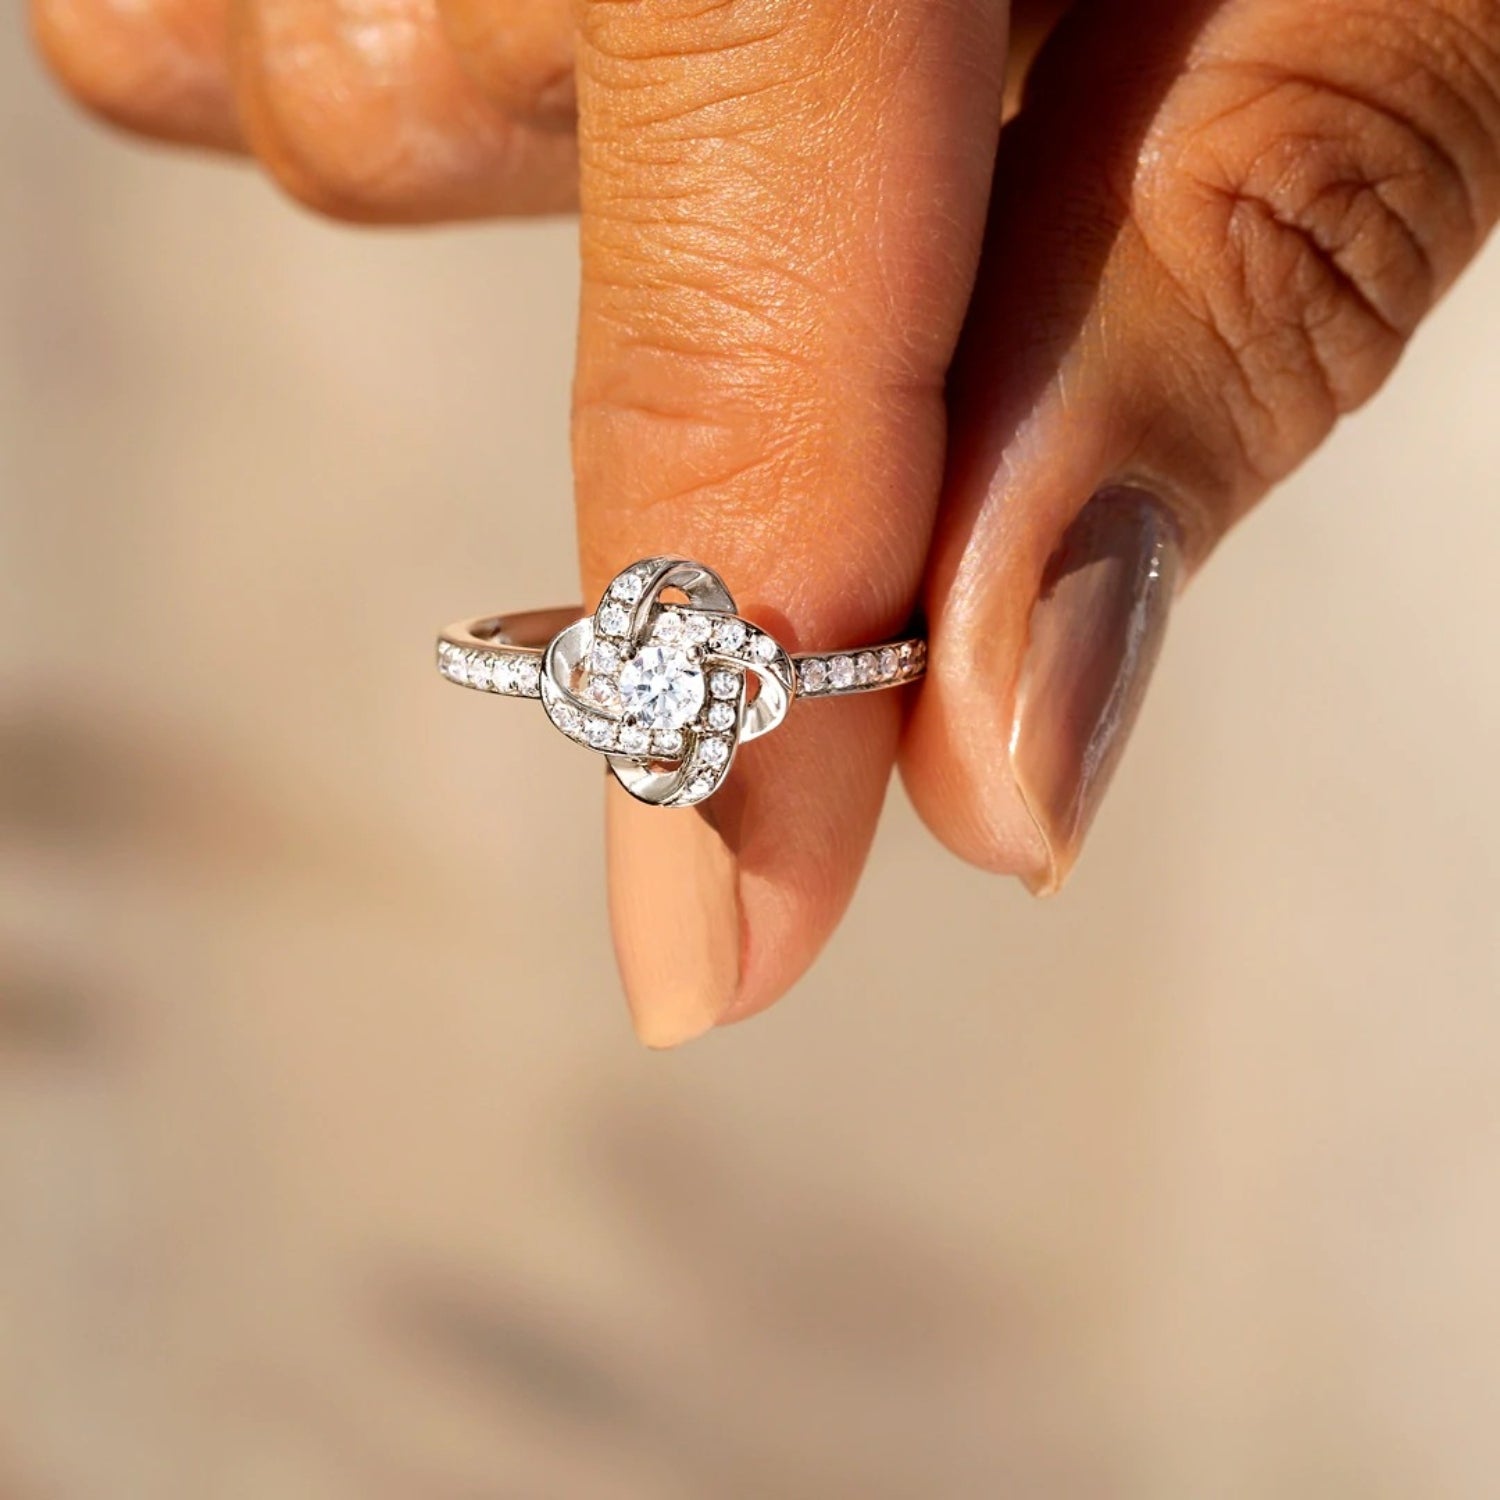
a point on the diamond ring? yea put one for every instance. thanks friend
(664, 678)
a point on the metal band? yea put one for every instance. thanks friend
(503, 654)
(664, 678)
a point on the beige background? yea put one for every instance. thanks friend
(328, 1165)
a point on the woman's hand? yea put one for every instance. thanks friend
(1211, 229)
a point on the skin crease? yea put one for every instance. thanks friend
(521, 55)
(1179, 288)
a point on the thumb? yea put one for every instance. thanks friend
(1190, 282)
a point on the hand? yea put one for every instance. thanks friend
(1212, 227)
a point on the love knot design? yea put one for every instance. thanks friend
(666, 681)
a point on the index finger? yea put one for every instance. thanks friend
(782, 204)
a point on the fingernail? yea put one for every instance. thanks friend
(1096, 631)
(675, 911)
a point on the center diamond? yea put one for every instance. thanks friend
(661, 688)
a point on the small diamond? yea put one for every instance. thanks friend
(603, 691)
(628, 586)
(841, 671)
(567, 718)
(604, 657)
(695, 628)
(457, 667)
(724, 684)
(866, 667)
(667, 742)
(713, 752)
(699, 787)
(634, 739)
(765, 648)
(598, 732)
(890, 663)
(614, 619)
(668, 626)
(525, 675)
(721, 716)
(814, 675)
(729, 635)
(494, 674)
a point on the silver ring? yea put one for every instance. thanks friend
(667, 690)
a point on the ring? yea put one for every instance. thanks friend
(664, 678)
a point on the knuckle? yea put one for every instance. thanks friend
(330, 148)
(130, 68)
(371, 127)
(1309, 226)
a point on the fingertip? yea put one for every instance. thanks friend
(1029, 712)
(955, 766)
(718, 911)
(675, 914)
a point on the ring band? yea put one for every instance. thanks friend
(666, 690)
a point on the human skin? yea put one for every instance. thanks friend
(848, 342)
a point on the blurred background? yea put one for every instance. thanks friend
(321, 1176)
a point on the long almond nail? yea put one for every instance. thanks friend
(1096, 630)
(675, 910)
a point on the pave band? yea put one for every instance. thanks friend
(667, 690)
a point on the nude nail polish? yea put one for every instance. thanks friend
(1096, 630)
(675, 912)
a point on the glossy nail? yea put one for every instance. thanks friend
(1096, 631)
(675, 911)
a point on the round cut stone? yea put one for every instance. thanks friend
(628, 586)
(661, 688)
(695, 628)
(667, 742)
(614, 619)
(729, 635)
(602, 690)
